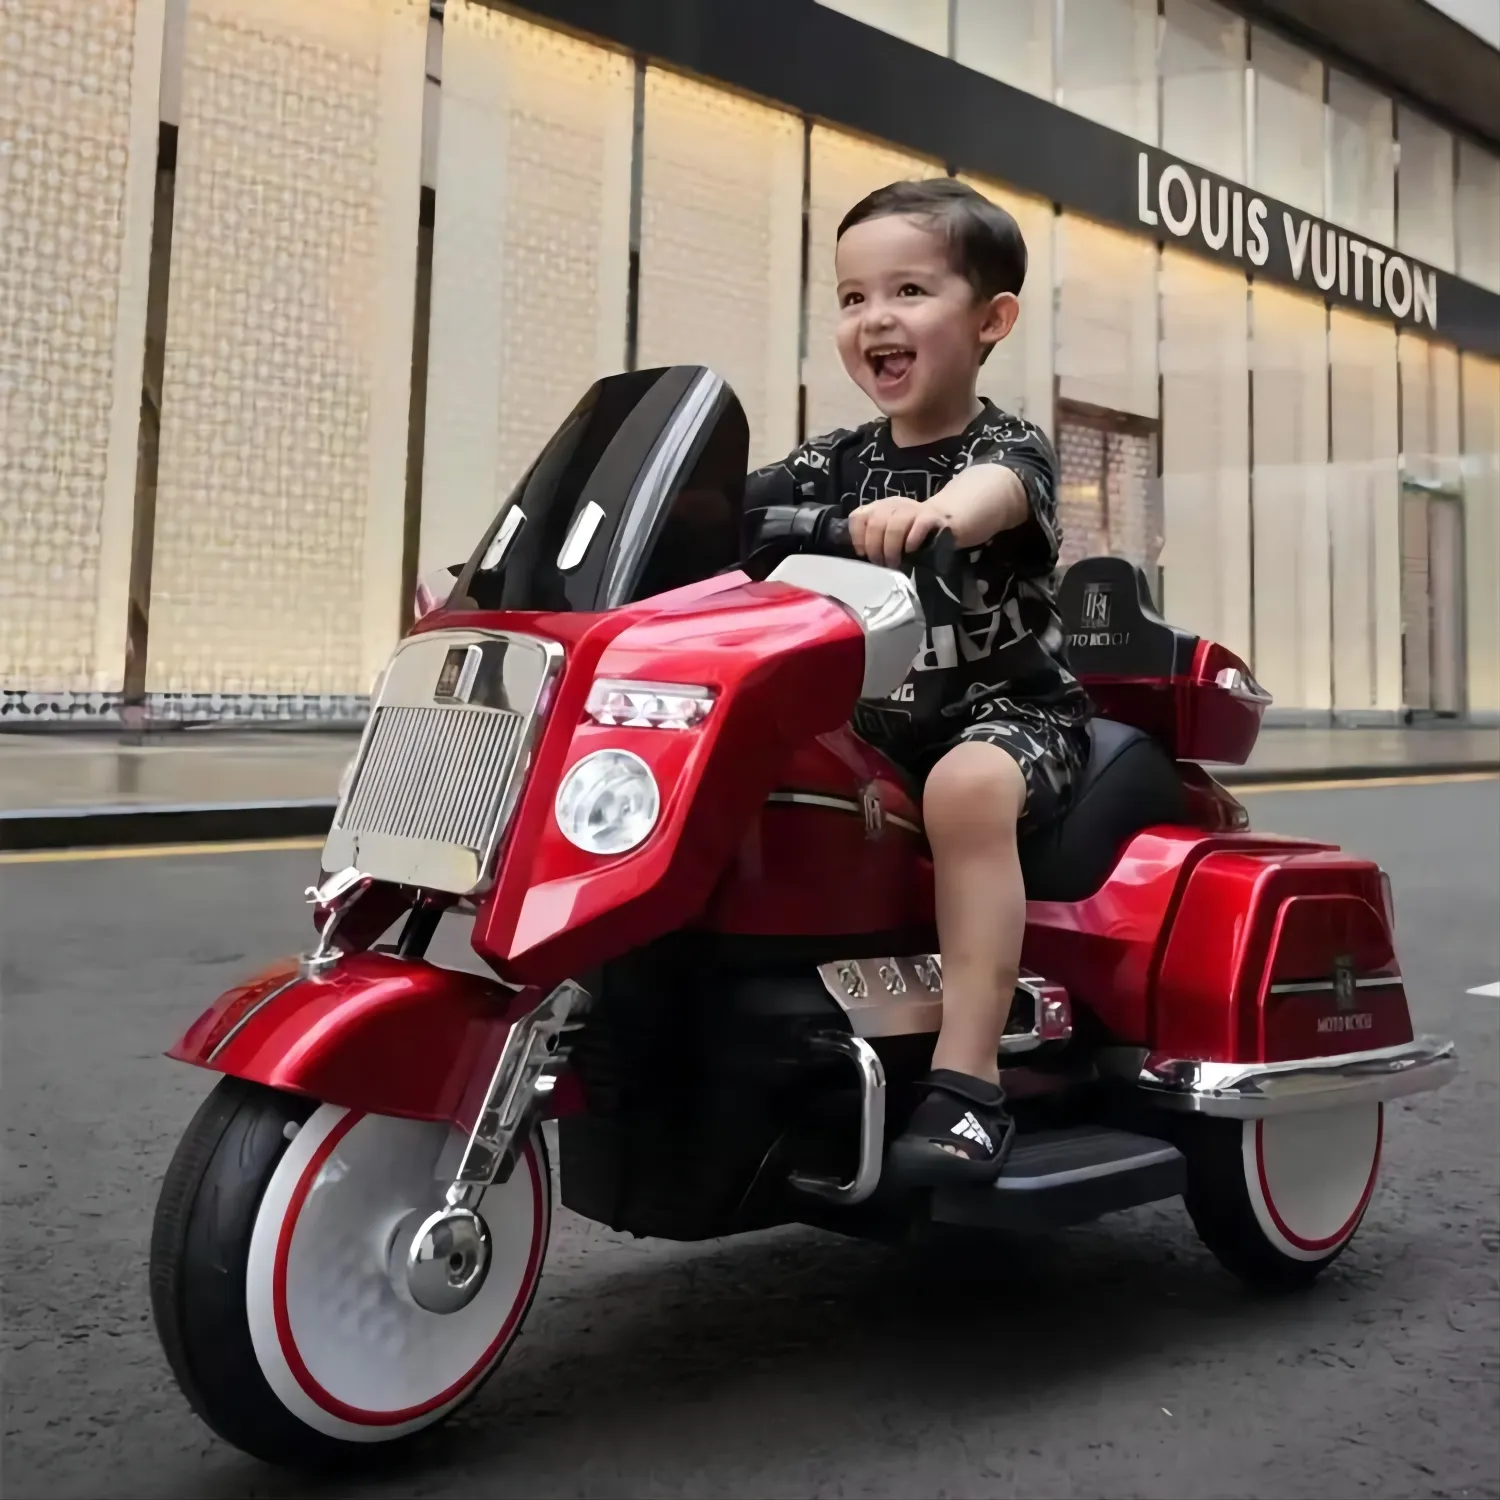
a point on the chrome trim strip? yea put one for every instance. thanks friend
(871, 1123)
(575, 545)
(508, 530)
(883, 601)
(1324, 986)
(250, 1015)
(1250, 1091)
(1007, 1184)
(840, 804)
(884, 997)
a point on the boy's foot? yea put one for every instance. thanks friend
(959, 1135)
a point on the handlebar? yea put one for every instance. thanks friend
(936, 553)
(820, 528)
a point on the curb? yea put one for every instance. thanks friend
(196, 823)
(122, 826)
(1233, 776)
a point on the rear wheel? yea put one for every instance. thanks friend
(272, 1281)
(1278, 1199)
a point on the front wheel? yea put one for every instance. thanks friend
(272, 1282)
(1277, 1200)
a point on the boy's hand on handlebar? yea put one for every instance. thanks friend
(885, 531)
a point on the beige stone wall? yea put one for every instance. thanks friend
(288, 351)
(721, 247)
(78, 129)
(842, 170)
(531, 257)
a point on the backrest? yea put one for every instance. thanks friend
(1112, 627)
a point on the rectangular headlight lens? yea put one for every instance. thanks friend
(649, 705)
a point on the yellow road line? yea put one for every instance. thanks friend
(251, 846)
(1367, 781)
(153, 851)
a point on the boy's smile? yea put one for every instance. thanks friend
(912, 329)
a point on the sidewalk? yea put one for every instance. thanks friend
(66, 791)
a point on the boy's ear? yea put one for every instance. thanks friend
(1000, 314)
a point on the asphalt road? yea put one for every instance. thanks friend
(1113, 1360)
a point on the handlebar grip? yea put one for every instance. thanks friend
(937, 553)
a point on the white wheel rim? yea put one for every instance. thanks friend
(343, 1349)
(1310, 1175)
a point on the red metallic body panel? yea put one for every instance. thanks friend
(1180, 951)
(1248, 920)
(1191, 715)
(1105, 950)
(786, 666)
(804, 869)
(376, 1033)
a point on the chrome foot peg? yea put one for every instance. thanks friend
(871, 1123)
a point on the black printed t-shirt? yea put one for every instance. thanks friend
(994, 636)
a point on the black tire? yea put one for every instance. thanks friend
(1218, 1202)
(200, 1248)
(200, 1242)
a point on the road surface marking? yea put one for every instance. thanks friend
(153, 851)
(1360, 782)
(1489, 991)
(250, 846)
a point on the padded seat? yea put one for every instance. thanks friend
(1130, 783)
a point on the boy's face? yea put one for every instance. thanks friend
(911, 329)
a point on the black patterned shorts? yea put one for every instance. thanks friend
(1050, 751)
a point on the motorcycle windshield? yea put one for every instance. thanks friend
(640, 490)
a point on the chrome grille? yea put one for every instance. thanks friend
(434, 774)
(443, 759)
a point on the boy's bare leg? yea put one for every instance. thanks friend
(961, 1132)
(973, 801)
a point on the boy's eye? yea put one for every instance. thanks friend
(911, 289)
(850, 299)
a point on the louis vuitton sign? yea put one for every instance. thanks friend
(1233, 223)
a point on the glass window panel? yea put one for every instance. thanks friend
(1205, 419)
(1481, 431)
(1009, 39)
(1106, 317)
(281, 489)
(721, 247)
(1424, 225)
(1430, 447)
(1107, 67)
(1203, 86)
(1289, 145)
(843, 170)
(924, 22)
(1364, 515)
(1477, 212)
(1018, 374)
(531, 257)
(1361, 159)
(1289, 362)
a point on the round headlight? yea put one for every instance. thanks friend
(608, 803)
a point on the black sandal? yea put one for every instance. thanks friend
(959, 1135)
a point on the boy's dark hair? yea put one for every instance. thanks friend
(985, 245)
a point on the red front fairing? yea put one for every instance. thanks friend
(785, 666)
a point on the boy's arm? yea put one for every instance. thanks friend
(1004, 497)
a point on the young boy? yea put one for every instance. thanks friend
(989, 720)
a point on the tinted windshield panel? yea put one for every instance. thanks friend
(640, 490)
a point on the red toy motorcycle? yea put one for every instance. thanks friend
(707, 907)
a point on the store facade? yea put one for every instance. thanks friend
(368, 258)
